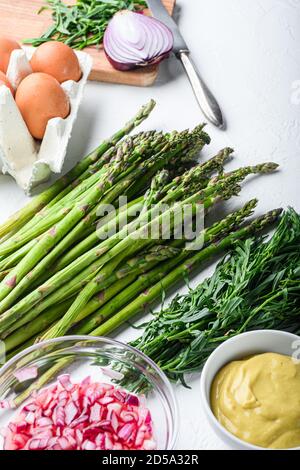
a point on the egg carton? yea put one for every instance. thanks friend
(28, 161)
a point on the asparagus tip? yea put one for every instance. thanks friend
(267, 167)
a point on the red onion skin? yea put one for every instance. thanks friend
(127, 67)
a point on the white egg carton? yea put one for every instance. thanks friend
(29, 161)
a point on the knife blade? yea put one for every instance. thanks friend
(207, 102)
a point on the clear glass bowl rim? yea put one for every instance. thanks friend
(113, 342)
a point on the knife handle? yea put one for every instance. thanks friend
(205, 98)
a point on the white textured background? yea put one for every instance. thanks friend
(249, 53)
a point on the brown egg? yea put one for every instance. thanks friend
(56, 59)
(7, 45)
(40, 98)
(4, 81)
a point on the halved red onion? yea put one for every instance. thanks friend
(135, 40)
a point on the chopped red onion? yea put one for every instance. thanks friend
(84, 416)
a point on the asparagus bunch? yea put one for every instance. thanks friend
(69, 268)
(86, 265)
(65, 233)
(224, 188)
(116, 290)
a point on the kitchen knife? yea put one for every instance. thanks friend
(205, 98)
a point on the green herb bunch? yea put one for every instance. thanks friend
(257, 286)
(84, 23)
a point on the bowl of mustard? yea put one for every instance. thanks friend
(250, 390)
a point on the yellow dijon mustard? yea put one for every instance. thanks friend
(258, 400)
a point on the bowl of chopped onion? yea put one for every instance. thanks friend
(85, 393)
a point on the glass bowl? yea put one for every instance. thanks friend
(101, 358)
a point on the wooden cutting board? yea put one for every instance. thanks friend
(19, 18)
